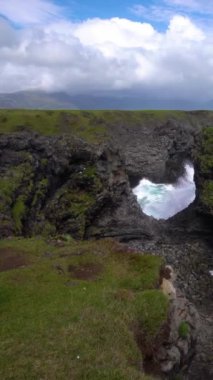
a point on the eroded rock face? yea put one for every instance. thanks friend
(175, 344)
(157, 150)
(204, 174)
(40, 177)
(191, 258)
(179, 346)
(63, 185)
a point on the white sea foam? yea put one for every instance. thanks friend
(163, 201)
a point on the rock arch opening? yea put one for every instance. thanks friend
(162, 201)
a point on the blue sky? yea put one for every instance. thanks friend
(155, 49)
(158, 11)
(96, 8)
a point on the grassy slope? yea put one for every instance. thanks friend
(56, 326)
(90, 125)
(206, 165)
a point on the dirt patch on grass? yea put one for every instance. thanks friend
(11, 258)
(89, 271)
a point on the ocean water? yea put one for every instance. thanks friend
(162, 201)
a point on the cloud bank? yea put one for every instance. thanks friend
(54, 54)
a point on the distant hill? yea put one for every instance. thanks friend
(36, 100)
(113, 101)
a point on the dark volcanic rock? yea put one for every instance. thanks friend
(33, 169)
(61, 184)
(191, 257)
(157, 150)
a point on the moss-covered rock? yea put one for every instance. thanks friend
(207, 194)
(71, 204)
(18, 212)
(46, 185)
(15, 189)
(184, 330)
(206, 170)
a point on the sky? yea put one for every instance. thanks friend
(155, 49)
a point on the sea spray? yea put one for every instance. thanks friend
(162, 201)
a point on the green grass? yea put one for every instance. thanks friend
(15, 186)
(207, 193)
(82, 124)
(206, 157)
(56, 326)
(183, 330)
(152, 307)
(206, 165)
(145, 269)
(18, 213)
(89, 125)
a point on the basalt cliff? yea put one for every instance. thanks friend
(78, 180)
(72, 174)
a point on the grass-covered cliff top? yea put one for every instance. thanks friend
(90, 125)
(206, 165)
(71, 310)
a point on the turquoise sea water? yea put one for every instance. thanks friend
(162, 201)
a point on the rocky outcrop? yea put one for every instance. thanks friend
(36, 173)
(175, 344)
(157, 149)
(204, 174)
(179, 344)
(191, 258)
(62, 184)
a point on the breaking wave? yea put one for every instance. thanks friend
(162, 201)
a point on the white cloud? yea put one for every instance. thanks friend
(30, 11)
(109, 55)
(120, 32)
(183, 29)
